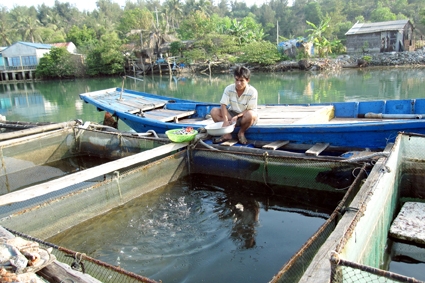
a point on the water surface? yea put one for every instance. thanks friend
(58, 101)
(201, 229)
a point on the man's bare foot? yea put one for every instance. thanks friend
(242, 139)
(223, 138)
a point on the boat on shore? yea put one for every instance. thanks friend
(364, 124)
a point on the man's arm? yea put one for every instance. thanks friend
(226, 116)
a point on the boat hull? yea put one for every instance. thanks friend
(354, 130)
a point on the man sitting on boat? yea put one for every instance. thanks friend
(238, 105)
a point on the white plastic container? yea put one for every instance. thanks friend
(217, 129)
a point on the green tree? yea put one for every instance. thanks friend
(239, 9)
(313, 12)
(106, 58)
(382, 14)
(322, 44)
(81, 37)
(56, 64)
(245, 31)
(175, 8)
(260, 52)
(203, 6)
(69, 14)
(422, 13)
(25, 22)
(135, 20)
(195, 25)
(51, 36)
(6, 29)
(215, 45)
(222, 8)
(29, 27)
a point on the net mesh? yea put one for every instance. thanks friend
(71, 205)
(407, 166)
(318, 175)
(77, 202)
(102, 271)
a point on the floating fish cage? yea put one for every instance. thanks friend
(386, 222)
(46, 208)
(49, 167)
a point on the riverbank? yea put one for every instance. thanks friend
(396, 59)
(412, 59)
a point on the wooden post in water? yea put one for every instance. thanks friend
(122, 87)
(169, 67)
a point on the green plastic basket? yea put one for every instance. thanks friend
(171, 134)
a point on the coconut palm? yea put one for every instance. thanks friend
(175, 11)
(29, 27)
(5, 28)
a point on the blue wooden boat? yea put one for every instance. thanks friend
(364, 124)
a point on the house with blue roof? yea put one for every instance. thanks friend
(21, 59)
(25, 54)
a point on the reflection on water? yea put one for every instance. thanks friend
(58, 101)
(199, 229)
(245, 215)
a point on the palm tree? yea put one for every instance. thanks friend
(53, 21)
(203, 6)
(175, 10)
(5, 28)
(29, 27)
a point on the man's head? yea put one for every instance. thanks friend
(242, 72)
(242, 75)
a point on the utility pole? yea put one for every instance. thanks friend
(156, 12)
(277, 32)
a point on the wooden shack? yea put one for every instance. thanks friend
(381, 37)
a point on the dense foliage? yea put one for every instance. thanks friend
(57, 63)
(228, 29)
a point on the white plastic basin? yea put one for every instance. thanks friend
(217, 129)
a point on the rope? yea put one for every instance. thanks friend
(117, 179)
(265, 171)
(208, 146)
(334, 257)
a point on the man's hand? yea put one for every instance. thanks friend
(234, 120)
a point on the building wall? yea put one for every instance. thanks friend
(367, 42)
(1, 62)
(382, 41)
(23, 55)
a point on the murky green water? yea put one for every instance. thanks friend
(202, 229)
(59, 101)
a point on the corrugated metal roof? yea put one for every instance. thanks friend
(360, 28)
(36, 45)
(60, 44)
